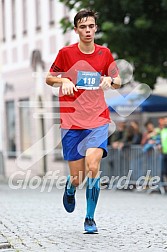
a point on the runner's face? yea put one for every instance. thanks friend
(86, 29)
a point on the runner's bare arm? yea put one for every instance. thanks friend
(68, 86)
(53, 80)
(109, 82)
(116, 82)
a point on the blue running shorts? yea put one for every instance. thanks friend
(76, 142)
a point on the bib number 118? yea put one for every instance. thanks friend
(89, 81)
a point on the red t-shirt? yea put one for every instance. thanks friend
(87, 108)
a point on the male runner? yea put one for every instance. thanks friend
(86, 71)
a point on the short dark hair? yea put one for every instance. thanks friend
(148, 122)
(85, 13)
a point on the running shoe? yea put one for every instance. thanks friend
(90, 226)
(68, 200)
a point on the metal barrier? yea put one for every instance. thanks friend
(136, 163)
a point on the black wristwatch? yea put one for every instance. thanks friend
(113, 81)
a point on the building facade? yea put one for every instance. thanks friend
(31, 36)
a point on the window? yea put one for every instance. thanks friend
(38, 14)
(13, 19)
(3, 21)
(51, 12)
(57, 135)
(25, 125)
(10, 127)
(24, 12)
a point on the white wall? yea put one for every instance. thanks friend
(34, 39)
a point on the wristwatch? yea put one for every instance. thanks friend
(113, 81)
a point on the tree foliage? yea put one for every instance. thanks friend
(135, 30)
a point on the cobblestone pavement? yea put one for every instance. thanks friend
(127, 221)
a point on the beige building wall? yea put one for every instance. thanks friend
(30, 25)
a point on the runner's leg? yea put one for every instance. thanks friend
(77, 171)
(77, 174)
(92, 160)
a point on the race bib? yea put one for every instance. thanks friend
(88, 80)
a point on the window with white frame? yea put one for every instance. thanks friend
(3, 20)
(25, 135)
(57, 134)
(13, 19)
(51, 12)
(10, 129)
(24, 14)
(38, 14)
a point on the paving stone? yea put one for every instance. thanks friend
(3, 239)
(7, 250)
(4, 244)
(127, 221)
